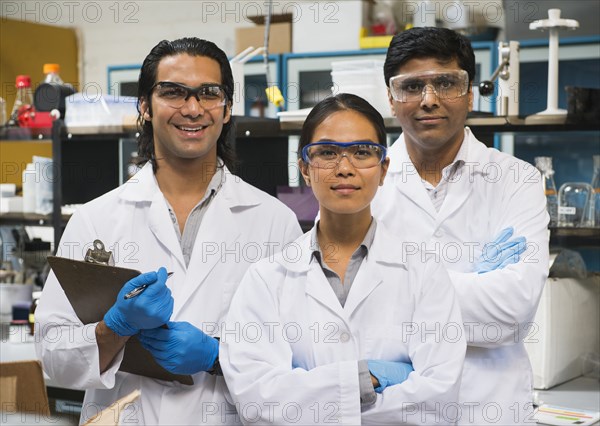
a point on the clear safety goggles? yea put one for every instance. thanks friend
(445, 85)
(328, 154)
(210, 96)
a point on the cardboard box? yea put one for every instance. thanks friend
(280, 38)
(22, 388)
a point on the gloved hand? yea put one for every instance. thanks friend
(151, 309)
(389, 373)
(501, 252)
(182, 348)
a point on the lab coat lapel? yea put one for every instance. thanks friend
(162, 227)
(320, 290)
(460, 185)
(367, 280)
(407, 180)
(317, 286)
(216, 242)
(385, 249)
(143, 190)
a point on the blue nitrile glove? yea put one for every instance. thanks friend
(501, 252)
(389, 373)
(182, 348)
(150, 309)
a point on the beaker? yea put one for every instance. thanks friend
(575, 205)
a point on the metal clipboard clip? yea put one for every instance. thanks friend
(99, 255)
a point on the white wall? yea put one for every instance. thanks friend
(123, 32)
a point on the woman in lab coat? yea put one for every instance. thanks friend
(331, 328)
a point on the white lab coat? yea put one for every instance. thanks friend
(291, 351)
(240, 226)
(493, 191)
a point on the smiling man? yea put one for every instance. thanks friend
(449, 196)
(186, 212)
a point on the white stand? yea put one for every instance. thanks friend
(237, 69)
(552, 114)
(508, 81)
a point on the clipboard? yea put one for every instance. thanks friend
(92, 289)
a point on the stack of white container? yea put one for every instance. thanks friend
(93, 114)
(363, 78)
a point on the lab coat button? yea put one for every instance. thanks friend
(439, 233)
(344, 337)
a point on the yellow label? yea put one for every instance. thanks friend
(31, 318)
(550, 192)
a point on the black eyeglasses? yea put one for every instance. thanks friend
(210, 96)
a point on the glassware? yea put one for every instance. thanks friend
(2, 112)
(596, 188)
(544, 165)
(23, 106)
(51, 93)
(51, 72)
(575, 205)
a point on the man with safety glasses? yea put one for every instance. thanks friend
(479, 211)
(183, 212)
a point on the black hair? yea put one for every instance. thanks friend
(333, 104)
(194, 47)
(429, 42)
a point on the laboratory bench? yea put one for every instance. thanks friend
(581, 393)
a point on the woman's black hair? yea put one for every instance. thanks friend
(340, 102)
(442, 44)
(194, 47)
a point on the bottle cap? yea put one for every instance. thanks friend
(23, 81)
(48, 68)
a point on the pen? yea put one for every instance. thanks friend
(139, 290)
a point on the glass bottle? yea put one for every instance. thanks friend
(51, 93)
(544, 165)
(3, 117)
(51, 71)
(574, 205)
(596, 188)
(35, 298)
(23, 107)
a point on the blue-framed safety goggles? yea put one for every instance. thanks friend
(328, 154)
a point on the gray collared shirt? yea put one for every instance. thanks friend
(192, 223)
(438, 193)
(320, 255)
(341, 290)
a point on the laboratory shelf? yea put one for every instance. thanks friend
(29, 219)
(575, 237)
(489, 124)
(244, 127)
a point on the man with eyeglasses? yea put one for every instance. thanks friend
(479, 211)
(183, 212)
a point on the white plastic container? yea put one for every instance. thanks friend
(363, 78)
(29, 188)
(44, 189)
(85, 113)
